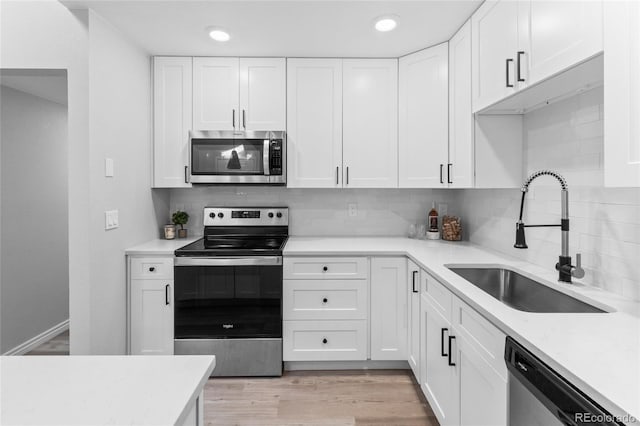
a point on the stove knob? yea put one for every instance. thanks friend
(279, 214)
(212, 215)
(220, 215)
(270, 214)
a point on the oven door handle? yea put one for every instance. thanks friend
(265, 157)
(228, 261)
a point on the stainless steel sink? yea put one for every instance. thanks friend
(522, 293)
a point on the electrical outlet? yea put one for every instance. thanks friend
(353, 209)
(111, 219)
(442, 209)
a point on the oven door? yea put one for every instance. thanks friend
(229, 157)
(228, 298)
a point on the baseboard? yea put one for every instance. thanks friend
(346, 365)
(36, 341)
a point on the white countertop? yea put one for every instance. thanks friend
(599, 353)
(160, 247)
(100, 390)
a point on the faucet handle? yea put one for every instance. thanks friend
(577, 270)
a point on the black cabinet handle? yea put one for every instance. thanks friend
(347, 175)
(441, 167)
(186, 174)
(449, 173)
(449, 355)
(233, 118)
(325, 269)
(507, 72)
(413, 284)
(325, 300)
(151, 269)
(166, 294)
(244, 122)
(337, 171)
(442, 331)
(518, 68)
(324, 340)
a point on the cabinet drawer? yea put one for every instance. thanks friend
(484, 337)
(325, 268)
(324, 340)
(324, 300)
(160, 268)
(440, 297)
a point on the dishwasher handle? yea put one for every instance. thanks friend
(557, 394)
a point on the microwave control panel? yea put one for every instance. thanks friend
(275, 157)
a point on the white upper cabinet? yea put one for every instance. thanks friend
(171, 121)
(494, 48)
(561, 34)
(460, 170)
(622, 94)
(239, 94)
(370, 123)
(423, 118)
(262, 94)
(389, 320)
(215, 94)
(314, 123)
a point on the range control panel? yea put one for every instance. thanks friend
(246, 216)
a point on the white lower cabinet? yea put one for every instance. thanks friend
(413, 304)
(151, 306)
(324, 340)
(389, 322)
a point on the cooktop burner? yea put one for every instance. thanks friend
(221, 246)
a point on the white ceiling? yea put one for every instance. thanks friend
(283, 28)
(48, 84)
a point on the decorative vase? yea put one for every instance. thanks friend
(169, 232)
(182, 233)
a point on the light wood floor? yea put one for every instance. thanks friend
(337, 398)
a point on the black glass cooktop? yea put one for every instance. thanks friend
(215, 245)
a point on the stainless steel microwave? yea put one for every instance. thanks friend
(231, 157)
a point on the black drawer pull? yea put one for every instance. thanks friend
(325, 269)
(507, 72)
(442, 331)
(166, 294)
(151, 269)
(449, 356)
(325, 300)
(413, 284)
(324, 340)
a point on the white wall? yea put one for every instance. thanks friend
(387, 212)
(34, 259)
(47, 35)
(605, 222)
(120, 129)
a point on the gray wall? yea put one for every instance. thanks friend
(34, 257)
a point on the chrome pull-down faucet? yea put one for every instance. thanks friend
(565, 269)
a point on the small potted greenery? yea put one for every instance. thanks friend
(180, 218)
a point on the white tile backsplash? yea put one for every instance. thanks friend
(605, 222)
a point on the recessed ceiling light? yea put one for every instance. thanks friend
(218, 34)
(386, 23)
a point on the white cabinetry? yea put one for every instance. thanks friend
(517, 44)
(622, 93)
(171, 121)
(388, 308)
(314, 123)
(370, 123)
(413, 305)
(150, 286)
(423, 120)
(239, 93)
(460, 168)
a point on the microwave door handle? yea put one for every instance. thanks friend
(265, 157)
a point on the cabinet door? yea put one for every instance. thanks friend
(562, 34)
(314, 123)
(370, 126)
(423, 118)
(413, 343)
(494, 42)
(460, 168)
(482, 391)
(622, 94)
(151, 317)
(438, 379)
(215, 94)
(262, 93)
(388, 309)
(171, 121)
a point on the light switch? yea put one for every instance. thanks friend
(108, 167)
(111, 219)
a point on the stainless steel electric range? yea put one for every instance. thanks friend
(228, 291)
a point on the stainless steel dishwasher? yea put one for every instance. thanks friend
(539, 396)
